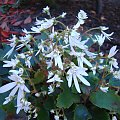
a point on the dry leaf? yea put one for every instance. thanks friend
(17, 23)
(27, 20)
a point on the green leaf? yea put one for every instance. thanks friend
(39, 77)
(99, 114)
(114, 82)
(49, 103)
(3, 71)
(81, 113)
(1, 55)
(43, 114)
(9, 108)
(67, 98)
(109, 100)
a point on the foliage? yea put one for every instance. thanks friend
(53, 73)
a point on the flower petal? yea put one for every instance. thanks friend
(83, 80)
(69, 79)
(26, 89)
(87, 62)
(76, 83)
(13, 92)
(7, 87)
(112, 51)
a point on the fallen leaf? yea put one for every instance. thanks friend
(5, 34)
(4, 26)
(18, 23)
(27, 20)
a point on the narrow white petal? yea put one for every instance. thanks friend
(9, 52)
(59, 62)
(69, 79)
(83, 80)
(19, 97)
(50, 54)
(7, 87)
(76, 83)
(18, 110)
(112, 51)
(13, 92)
(87, 62)
(26, 89)
(51, 80)
(81, 71)
(80, 62)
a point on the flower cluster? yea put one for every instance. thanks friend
(45, 64)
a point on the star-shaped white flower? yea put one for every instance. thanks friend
(108, 36)
(11, 63)
(18, 84)
(82, 16)
(53, 78)
(100, 39)
(76, 73)
(80, 58)
(57, 57)
(104, 89)
(50, 89)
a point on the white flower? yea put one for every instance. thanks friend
(46, 9)
(35, 116)
(22, 55)
(80, 58)
(90, 54)
(112, 52)
(56, 117)
(24, 41)
(37, 94)
(103, 28)
(36, 29)
(53, 34)
(12, 45)
(23, 105)
(40, 47)
(117, 74)
(108, 36)
(43, 24)
(76, 72)
(50, 89)
(49, 63)
(100, 39)
(104, 89)
(54, 78)
(94, 70)
(18, 72)
(27, 61)
(57, 57)
(114, 118)
(13, 41)
(81, 19)
(113, 63)
(63, 14)
(11, 63)
(18, 84)
(82, 15)
(75, 40)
